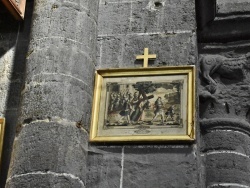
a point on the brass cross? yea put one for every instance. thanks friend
(146, 57)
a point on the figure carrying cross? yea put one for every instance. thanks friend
(146, 57)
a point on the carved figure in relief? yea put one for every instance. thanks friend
(228, 99)
(231, 68)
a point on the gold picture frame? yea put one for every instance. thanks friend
(17, 9)
(144, 105)
(2, 130)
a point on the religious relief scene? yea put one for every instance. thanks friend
(144, 103)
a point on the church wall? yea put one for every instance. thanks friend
(51, 69)
(168, 29)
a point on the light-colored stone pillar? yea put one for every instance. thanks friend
(50, 150)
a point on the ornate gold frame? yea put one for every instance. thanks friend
(16, 9)
(2, 130)
(101, 75)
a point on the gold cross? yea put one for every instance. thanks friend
(146, 57)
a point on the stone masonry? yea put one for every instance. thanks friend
(50, 148)
(125, 28)
(47, 66)
(224, 95)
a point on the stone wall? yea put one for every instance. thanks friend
(125, 28)
(51, 69)
(58, 65)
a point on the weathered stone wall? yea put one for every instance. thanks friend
(50, 148)
(125, 28)
(166, 27)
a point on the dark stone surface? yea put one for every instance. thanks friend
(14, 40)
(233, 7)
(49, 148)
(50, 151)
(160, 166)
(226, 140)
(57, 95)
(167, 28)
(224, 110)
(223, 21)
(43, 180)
(56, 146)
(145, 16)
(104, 166)
(126, 28)
(171, 49)
(227, 168)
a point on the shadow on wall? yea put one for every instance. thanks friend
(14, 41)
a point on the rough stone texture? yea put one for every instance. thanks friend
(57, 95)
(224, 110)
(229, 94)
(8, 40)
(104, 166)
(227, 168)
(161, 166)
(223, 20)
(167, 28)
(225, 148)
(56, 146)
(224, 95)
(171, 49)
(45, 180)
(226, 140)
(49, 149)
(233, 6)
(60, 64)
(14, 39)
(145, 16)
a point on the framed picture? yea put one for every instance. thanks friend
(16, 8)
(144, 104)
(2, 130)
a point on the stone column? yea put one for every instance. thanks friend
(225, 148)
(224, 114)
(50, 148)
